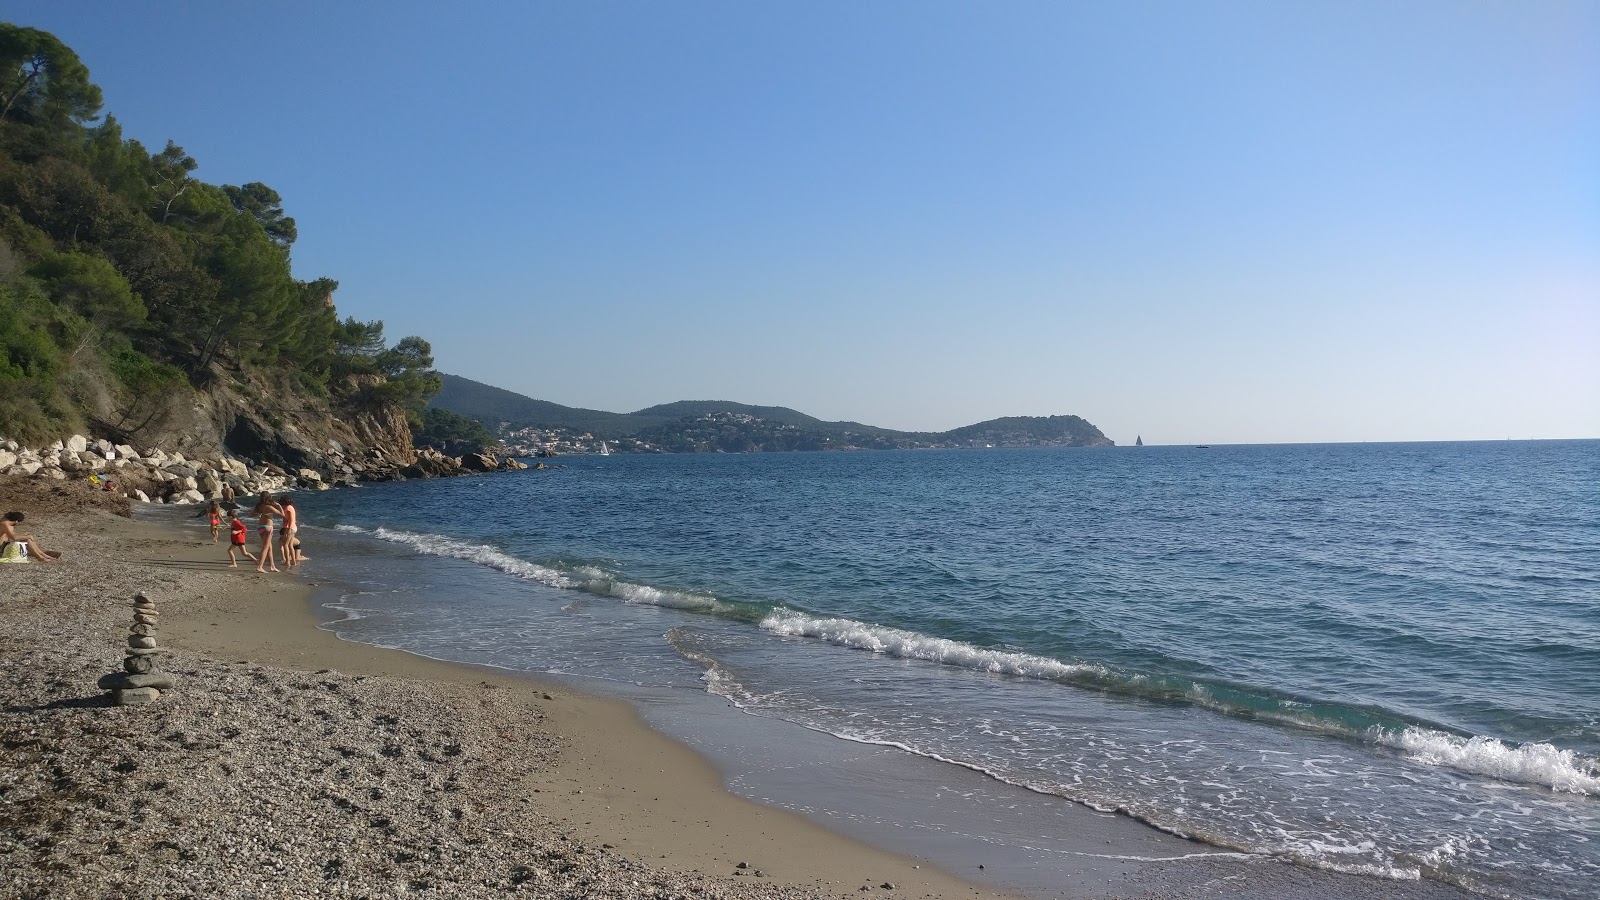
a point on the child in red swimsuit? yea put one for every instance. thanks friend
(214, 513)
(239, 533)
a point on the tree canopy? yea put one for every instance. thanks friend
(111, 253)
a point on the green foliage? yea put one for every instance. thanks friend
(120, 263)
(44, 82)
(265, 206)
(92, 287)
(453, 433)
(30, 351)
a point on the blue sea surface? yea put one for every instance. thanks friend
(1372, 658)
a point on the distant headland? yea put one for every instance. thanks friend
(538, 427)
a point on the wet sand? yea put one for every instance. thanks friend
(288, 762)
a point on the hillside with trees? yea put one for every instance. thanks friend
(142, 304)
(709, 426)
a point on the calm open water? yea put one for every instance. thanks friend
(1381, 659)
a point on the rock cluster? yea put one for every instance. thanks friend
(139, 681)
(154, 475)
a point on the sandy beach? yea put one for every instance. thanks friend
(288, 763)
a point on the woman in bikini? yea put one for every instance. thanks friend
(289, 537)
(264, 510)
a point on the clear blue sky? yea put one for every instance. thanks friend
(1198, 222)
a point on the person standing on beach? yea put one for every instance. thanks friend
(264, 510)
(214, 513)
(8, 536)
(238, 537)
(288, 538)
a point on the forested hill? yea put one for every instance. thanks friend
(142, 304)
(718, 425)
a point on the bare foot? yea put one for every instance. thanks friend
(261, 570)
(274, 568)
(233, 565)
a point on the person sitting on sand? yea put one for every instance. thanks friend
(9, 537)
(238, 536)
(264, 510)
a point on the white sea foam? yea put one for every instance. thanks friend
(898, 642)
(1543, 764)
(438, 545)
(589, 579)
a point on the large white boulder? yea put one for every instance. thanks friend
(310, 474)
(125, 451)
(189, 484)
(77, 443)
(189, 497)
(7, 459)
(142, 496)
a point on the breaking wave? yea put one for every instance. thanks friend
(589, 579)
(1530, 763)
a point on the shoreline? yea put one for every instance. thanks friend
(566, 792)
(287, 761)
(617, 781)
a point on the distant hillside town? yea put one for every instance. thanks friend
(529, 427)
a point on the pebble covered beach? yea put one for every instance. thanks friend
(248, 780)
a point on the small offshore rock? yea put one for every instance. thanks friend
(135, 696)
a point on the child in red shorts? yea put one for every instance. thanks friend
(240, 533)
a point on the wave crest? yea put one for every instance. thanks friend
(589, 579)
(1536, 763)
(903, 644)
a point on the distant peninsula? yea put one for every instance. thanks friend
(530, 427)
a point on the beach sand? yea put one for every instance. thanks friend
(288, 763)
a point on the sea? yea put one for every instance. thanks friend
(1378, 659)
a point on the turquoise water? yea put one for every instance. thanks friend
(1381, 659)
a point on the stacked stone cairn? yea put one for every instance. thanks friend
(139, 682)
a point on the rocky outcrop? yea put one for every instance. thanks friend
(155, 475)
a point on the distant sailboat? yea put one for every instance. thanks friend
(604, 450)
(1139, 441)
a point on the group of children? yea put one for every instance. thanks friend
(266, 511)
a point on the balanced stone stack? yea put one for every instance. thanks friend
(139, 682)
